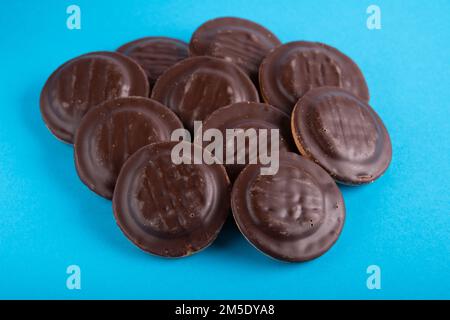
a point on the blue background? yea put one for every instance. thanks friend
(49, 219)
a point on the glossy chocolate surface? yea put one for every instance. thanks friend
(84, 82)
(246, 115)
(295, 215)
(343, 134)
(155, 54)
(167, 209)
(240, 41)
(111, 132)
(195, 87)
(292, 69)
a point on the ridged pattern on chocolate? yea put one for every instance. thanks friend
(155, 54)
(111, 132)
(242, 48)
(346, 130)
(75, 85)
(246, 115)
(240, 41)
(343, 134)
(307, 70)
(195, 87)
(175, 192)
(293, 207)
(295, 215)
(84, 82)
(202, 93)
(169, 209)
(291, 70)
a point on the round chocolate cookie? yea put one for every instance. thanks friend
(291, 70)
(155, 54)
(240, 41)
(84, 82)
(294, 215)
(169, 209)
(247, 115)
(113, 131)
(343, 134)
(195, 87)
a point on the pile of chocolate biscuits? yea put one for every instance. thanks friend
(120, 108)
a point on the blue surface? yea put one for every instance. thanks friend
(49, 219)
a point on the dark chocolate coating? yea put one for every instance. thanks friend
(167, 209)
(240, 41)
(245, 115)
(291, 70)
(84, 82)
(111, 132)
(343, 134)
(195, 87)
(155, 54)
(294, 215)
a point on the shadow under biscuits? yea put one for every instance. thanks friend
(231, 244)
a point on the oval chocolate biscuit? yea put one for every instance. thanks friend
(84, 82)
(169, 209)
(295, 215)
(111, 132)
(292, 69)
(343, 134)
(195, 87)
(240, 41)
